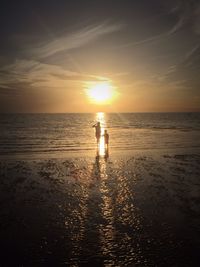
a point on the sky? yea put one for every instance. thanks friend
(148, 50)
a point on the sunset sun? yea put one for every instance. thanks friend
(100, 93)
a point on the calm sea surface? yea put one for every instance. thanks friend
(62, 133)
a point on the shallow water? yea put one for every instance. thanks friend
(137, 211)
(61, 134)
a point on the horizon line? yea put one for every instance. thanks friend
(125, 112)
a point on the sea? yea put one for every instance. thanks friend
(72, 133)
(91, 209)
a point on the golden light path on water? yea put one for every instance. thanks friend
(100, 116)
(102, 211)
(106, 230)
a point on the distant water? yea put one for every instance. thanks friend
(55, 134)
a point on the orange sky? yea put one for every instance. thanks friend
(147, 50)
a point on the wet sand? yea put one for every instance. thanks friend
(139, 210)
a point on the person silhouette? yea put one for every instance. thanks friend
(97, 127)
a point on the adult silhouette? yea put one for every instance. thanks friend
(97, 127)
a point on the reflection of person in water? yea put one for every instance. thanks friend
(106, 156)
(97, 166)
(106, 142)
(97, 127)
(106, 139)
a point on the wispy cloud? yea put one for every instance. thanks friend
(190, 54)
(197, 19)
(181, 11)
(31, 74)
(35, 74)
(75, 40)
(184, 74)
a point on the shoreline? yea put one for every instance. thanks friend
(92, 153)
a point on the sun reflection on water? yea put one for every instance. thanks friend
(107, 230)
(100, 116)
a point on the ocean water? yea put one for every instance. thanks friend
(138, 211)
(62, 134)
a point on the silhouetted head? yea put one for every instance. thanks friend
(98, 123)
(105, 131)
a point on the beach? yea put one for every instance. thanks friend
(100, 133)
(129, 209)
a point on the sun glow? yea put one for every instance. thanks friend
(100, 93)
